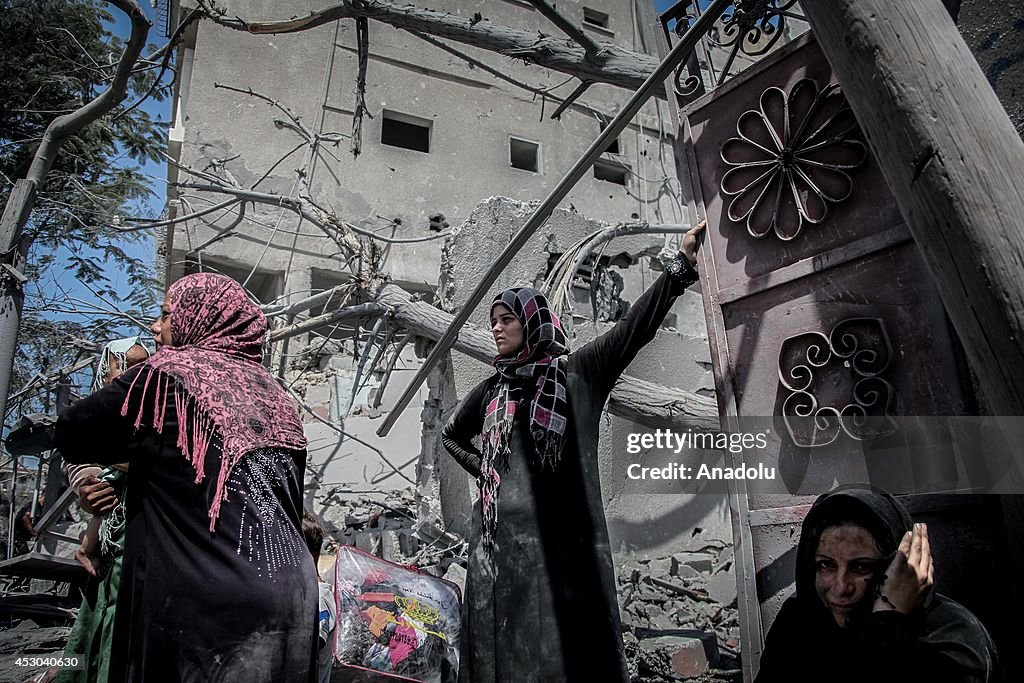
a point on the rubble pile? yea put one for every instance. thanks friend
(386, 526)
(26, 639)
(679, 615)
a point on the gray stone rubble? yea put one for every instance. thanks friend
(679, 614)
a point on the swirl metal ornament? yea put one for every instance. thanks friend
(835, 383)
(752, 27)
(792, 157)
(749, 27)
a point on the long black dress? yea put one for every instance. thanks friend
(545, 608)
(234, 605)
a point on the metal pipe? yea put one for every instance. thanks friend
(14, 508)
(543, 212)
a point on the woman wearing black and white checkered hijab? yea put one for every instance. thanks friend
(540, 592)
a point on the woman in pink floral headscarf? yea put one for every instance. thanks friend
(213, 585)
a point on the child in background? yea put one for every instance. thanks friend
(328, 618)
(97, 487)
(100, 492)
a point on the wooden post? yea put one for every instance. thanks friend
(953, 161)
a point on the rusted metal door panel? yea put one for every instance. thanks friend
(735, 111)
(892, 287)
(817, 300)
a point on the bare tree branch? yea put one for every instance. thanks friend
(573, 96)
(367, 310)
(146, 223)
(63, 127)
(395, 356)
(543, 92)
(293, 309)
(307, 133)
(164, 54)
(223, 232)
(593, 48)
(322, 218)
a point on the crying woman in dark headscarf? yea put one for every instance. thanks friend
(865, 608)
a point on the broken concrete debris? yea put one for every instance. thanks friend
(679, 617)
(679, 614)
(385, 525)
(28, 639)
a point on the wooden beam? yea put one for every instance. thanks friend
(615, 66)
(647, 403)
(954, 162)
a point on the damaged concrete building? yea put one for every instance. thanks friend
(453, 144)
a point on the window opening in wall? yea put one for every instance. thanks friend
(611, 171)
(403, 130)
(524, 154)
(595, 18)
(265, 285)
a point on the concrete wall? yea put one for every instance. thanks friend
(639, 520)
(471, 115)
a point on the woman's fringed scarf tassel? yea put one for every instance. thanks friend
(497, 431)
(214, 367)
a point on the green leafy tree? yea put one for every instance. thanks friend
(55, 56)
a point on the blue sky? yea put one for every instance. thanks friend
(57, 277)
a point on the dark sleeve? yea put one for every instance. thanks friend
(465, 423)
(93, 430)
(948, 646)
(605, 358)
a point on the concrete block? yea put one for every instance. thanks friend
(696, 561)
(457, 575)
(684, 571)
(722, 588)
(660, 568)
(695, 656)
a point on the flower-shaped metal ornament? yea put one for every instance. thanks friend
(792, 158)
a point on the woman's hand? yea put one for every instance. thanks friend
(910, 575)
(689, 248)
